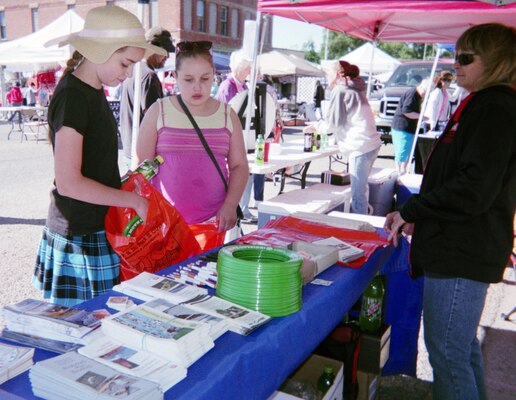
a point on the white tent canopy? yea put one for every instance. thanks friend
(28, 53)
(371, 59)
(275, 63)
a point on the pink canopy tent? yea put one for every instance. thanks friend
(425, 21)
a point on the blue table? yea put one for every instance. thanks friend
(404, 297)
(252, 367)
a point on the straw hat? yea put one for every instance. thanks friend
(106, 30)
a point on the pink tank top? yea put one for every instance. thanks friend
(188, 178)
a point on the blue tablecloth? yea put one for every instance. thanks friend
(252, 367)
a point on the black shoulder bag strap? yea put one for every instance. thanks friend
(240, 214)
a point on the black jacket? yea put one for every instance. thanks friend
(464, 213)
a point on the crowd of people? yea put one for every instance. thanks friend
(460, 222)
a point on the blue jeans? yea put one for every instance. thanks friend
(360, 166)
(451, 313)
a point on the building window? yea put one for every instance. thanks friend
(187, 15)
(224, 21)
(201, 21)
(234, 23)
(35, 20)
(212, 21)
(3, 28)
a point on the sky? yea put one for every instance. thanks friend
(292, 34)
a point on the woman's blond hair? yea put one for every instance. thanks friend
(496, 45)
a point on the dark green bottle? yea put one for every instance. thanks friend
(325, 380)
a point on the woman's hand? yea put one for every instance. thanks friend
(395, 225)
(226, 217)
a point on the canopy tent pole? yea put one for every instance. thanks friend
(423, 108)
(137, 71)
(371, 60)
(252, 82)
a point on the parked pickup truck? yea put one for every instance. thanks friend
(384, 102)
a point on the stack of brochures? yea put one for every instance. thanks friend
(148, 286)
(72, 376)
(131, 361)
(347, 252)
(49, 326)
(151, 330)
(14, 360)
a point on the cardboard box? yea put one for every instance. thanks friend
(310, 371)
(374, 350)
(367, 385)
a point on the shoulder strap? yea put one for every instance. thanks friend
(202, 138)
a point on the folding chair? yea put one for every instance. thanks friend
(34, 124)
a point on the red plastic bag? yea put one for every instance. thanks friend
(285, 230)
(163, 240)
(207, 235)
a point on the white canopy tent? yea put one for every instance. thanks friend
(275, 63)
(371, 60)
(28, 53)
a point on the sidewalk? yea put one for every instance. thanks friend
(26, 171)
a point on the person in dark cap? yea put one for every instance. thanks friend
(151, 88)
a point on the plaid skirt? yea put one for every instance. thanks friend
(72, 269)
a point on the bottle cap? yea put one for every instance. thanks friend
(158, 159)
(328, 369)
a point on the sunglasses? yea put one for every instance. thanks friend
(446, 80)
(464, 58)
(200, 46)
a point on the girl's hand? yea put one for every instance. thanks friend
(226, 217)
(141, 206)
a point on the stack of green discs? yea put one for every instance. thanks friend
(262, 278)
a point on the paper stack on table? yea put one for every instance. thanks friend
(135, 362)
(72, 376)
(49, 326)
(144, 328)
(14, 360)
(147, 286)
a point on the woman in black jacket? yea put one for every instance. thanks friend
(461, 222)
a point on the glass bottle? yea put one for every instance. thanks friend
(325, 380)
(370, 318)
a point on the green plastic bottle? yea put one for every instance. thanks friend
(325, 380)
(370, 318)
(259, 150)
(148, 168)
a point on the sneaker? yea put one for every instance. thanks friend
(250, 220)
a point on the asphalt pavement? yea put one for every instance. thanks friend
(26, 173)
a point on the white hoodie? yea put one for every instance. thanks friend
(350, 118)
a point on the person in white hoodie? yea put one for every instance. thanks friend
(350, 118)
(438, 108)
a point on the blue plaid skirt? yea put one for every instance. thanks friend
(71, 269)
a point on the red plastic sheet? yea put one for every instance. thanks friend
(285, 230)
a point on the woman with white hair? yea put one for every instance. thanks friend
(235, 82)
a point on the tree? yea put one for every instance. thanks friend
(310, 53)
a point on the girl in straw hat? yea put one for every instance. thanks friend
(188, 178)
(74, 261)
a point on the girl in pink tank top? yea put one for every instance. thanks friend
(188, 178)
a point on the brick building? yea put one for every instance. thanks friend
(220, 21)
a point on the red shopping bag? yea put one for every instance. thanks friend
(207, 235)
(163, 240)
